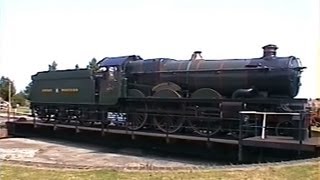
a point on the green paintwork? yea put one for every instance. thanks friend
(111, 88)
(48, 87)
(54, 82)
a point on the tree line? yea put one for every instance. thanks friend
(93, 65)
(23, 96)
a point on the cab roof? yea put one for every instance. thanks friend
(117, 61)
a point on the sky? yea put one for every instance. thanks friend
(33, 33)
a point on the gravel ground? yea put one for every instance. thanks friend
(54, 152)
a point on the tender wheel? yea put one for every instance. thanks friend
(43, 116)
(86, 117)
(137, 120)
(62, 116)
(86, 121)
(204, 125)
(167, 123)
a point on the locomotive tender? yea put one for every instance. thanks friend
(170, 95)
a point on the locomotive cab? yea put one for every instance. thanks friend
(112, 82)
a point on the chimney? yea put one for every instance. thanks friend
(196, 55)
(269, 51)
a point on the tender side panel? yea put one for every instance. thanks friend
(74, 87)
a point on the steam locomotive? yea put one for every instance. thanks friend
(166, 94)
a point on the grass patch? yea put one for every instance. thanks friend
(295, 172)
